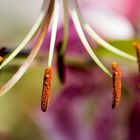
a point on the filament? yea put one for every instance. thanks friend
(28, 38)
(32, 55)
(85, 42)
(98, 39)
(54, 30)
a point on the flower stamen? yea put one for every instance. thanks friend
(98, 39)
(85, 42)
(2, 54)
(32, 54)
(29, 36)
(1, 59)
(48, 71)
(46, 88)
(54, 31)
(116, 79)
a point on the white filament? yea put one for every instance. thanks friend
(32, 55)
(54, 30)
(97, 38)
(28, 38)
(85, 42)
(20, 72)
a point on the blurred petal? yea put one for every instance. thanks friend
(134, 121)
(128, 8)
(17, 17)
(109, 24)
(74, 44)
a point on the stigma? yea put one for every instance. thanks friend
(51, 12)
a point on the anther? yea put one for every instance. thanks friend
(2, 54)
(116, 79)
(46, 88)
(60, 63)
(1, 59)
(137, 47)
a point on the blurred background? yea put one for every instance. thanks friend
(17, 17)
(79, 109)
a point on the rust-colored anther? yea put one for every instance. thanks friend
(1, 59)
(46, 88)
(137, 47)
(116, 79)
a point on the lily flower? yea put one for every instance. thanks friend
(51, 10)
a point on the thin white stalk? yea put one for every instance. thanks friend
(20, 72)
(85, 42)
(54, 31)
(98, 39)
(66, 25)
(28, 38)
(5, 88)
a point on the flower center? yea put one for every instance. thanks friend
(80, 25)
